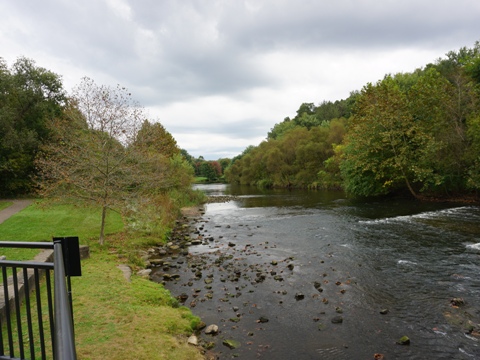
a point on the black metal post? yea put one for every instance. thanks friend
(64, 339)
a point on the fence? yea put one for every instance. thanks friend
(36, 316)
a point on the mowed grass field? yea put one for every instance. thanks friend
(114, 318)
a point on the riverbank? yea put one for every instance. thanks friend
(345, 279)
(113, 316)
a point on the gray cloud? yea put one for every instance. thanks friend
(191, 51)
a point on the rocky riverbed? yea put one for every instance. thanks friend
(232, 281)
(253, 296)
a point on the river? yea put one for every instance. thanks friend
(313, 275)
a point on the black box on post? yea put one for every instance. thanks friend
(71, 255)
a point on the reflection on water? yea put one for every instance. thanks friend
(391, 267)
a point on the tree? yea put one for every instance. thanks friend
(306, 108)
(154, 138)
(210, 169)
(306, 120)
(162, 182)
(189, 158)
(473, 153)
(291, 160)
(158, 158)
(91, 155)
(29, 97)
(385, 147)
(224, 163)
(432, 102)
(281, 128)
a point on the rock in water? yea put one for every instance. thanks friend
(299, 296)
(317, 285)
(232, 344)
(337, 320)
(457, 302)
(404, 340)
(182, 297)
(211, 329)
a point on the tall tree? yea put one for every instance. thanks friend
(473, 153)
(156, 153)
(224, 163)
(281, 128)
(212, 170)
(384, 147)
(91, 157)
(154, 138)
(29, 97)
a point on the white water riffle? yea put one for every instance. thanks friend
(475, 247)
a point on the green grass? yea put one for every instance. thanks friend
(4, 204)
(114, 318)
(38, 223)
(200, 180)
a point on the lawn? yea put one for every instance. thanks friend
(114, 318)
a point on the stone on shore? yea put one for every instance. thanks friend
(144, 273)
(193, 340)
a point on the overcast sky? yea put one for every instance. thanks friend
(218, 74)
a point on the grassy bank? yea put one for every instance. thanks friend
(114, 318)
(200, 180)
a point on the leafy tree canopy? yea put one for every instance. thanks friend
(104, 152)
(29, 97)
(413, 131)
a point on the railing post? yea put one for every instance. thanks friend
(64, 338)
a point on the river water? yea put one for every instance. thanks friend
(335, 278)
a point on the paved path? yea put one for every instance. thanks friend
(18, 205)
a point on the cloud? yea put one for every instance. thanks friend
(229, 70)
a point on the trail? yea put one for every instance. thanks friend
(17, 206)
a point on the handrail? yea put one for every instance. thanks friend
(28, 264)
(26, 244)
(64, 338)
(66, 263)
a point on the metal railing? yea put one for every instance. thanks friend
(33, 323)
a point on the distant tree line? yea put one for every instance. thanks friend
(93, 146)
(415, 132)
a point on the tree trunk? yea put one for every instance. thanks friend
(102, 226)
(411, 189)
